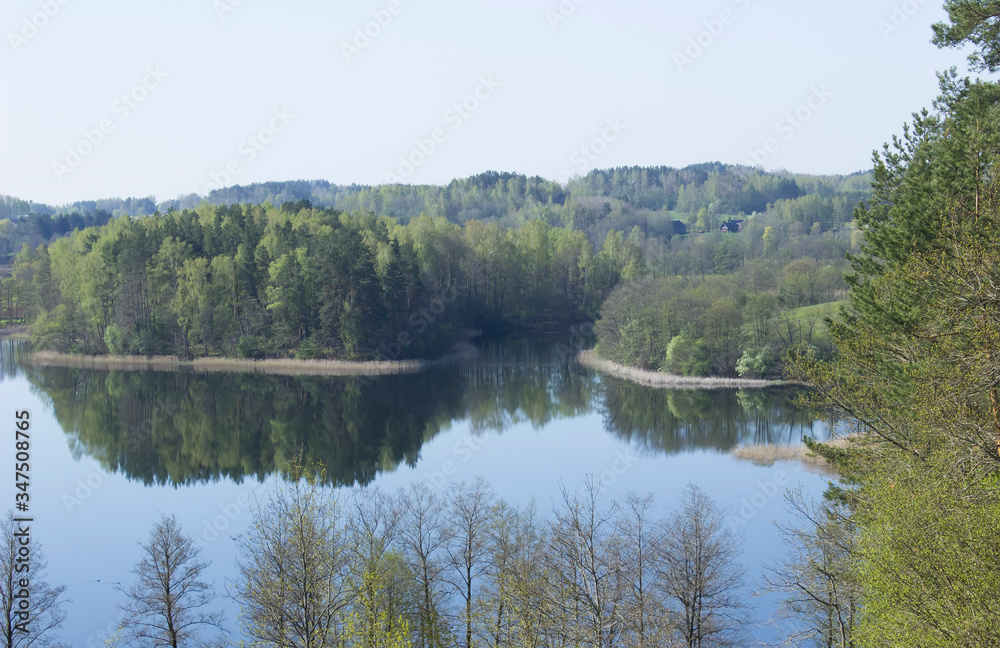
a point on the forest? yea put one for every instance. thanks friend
(903, 549)
(916, 367)
(405, 272)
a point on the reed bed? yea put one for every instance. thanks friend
(286, 367)
(667, 381)
(14, 332)
(768, 455)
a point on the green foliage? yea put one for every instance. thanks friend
(248, 347)
(686, 356)
(755, 363)
(976, 22)
(490, 251)
(308, 350)
(927, 556)
(916, 366)
(306, 283)
(702, 327)
(114, 340)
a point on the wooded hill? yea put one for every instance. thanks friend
(378, 282)
(583, 203)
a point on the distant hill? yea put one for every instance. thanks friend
(650, 198)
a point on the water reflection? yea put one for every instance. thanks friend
(670, 421)
(187, 427)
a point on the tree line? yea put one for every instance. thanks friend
(602, 200)
(442, 568)
(916, 366)
(494, 195)
(729, 304)
(256, 281)
(709, 327)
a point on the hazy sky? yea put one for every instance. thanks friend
(135, 98)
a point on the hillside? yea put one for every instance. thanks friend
(622, 198)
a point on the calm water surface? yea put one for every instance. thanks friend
(115, 449)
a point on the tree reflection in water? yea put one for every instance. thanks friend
(182, 427)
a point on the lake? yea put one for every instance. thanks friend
(112, 450)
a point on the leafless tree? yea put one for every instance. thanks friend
(423, 537)
(586, 567)
(700, 577)
(470, 512)
(815, 577)
(643, 615)
(169, 603)
(522, 608)
(22, 571)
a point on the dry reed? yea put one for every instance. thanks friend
(768, 455)
(14, 332)
(288, 367)
(668, 381)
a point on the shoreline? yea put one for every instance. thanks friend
(284, 367)
(658, 379)
(349, 368)
(14, 333)
(768, 455)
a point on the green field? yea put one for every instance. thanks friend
(815, 315)
(829, 309)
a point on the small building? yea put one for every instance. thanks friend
(732, 226)
(680, 229)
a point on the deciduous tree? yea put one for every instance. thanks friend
(31, 610)
(169, 604)
(700, 577)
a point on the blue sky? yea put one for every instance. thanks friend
(137, 98)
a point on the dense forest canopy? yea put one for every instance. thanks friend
(507, 197)
(251, 281)
(402, 271)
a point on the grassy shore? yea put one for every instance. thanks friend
(667, 381)
(289, 367)
(767, 455)
(14, 333)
